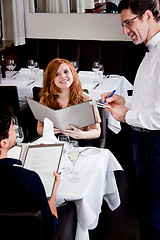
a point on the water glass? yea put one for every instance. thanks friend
(65, 140)
(19, 135)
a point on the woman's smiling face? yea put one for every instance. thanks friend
(64, 77)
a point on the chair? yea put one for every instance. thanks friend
(28, 225)
(101, 141)
(9, 94)
(36, 91)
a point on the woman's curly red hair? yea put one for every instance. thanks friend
(50, 91)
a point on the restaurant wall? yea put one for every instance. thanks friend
(74, 26)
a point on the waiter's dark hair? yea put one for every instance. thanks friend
(138, 7)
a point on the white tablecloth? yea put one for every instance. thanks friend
(107, 84)
(21, 80)
(97, 182)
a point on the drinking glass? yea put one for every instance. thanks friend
(19, 135)
(36, 67)
(11, 65)
(100, 71)
(75, 64)
(31, 66)
(15, 122)
(65, 139)
(73, 155)
(95, 67)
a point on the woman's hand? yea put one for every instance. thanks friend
(57, 130)
(74, 132)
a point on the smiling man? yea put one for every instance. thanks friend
(140, 21)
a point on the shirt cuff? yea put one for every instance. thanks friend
(131, 117)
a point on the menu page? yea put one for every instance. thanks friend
(44, 159)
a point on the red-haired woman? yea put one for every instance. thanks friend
(62, 88)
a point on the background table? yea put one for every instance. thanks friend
(106, 84)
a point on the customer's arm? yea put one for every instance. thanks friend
(52, 200)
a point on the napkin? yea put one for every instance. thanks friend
(48, 131)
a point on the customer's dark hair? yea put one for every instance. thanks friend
(6, 114)
(140, 6)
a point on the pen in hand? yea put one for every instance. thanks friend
(110, 95)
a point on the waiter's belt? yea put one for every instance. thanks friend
(138, 129)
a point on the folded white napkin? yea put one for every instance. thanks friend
(48, 132)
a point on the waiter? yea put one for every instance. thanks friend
(140, 21)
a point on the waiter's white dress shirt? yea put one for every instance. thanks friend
(145, 103)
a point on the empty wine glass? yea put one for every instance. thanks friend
(73, 155)
(75, 64)
(15, 122)
(31, 66)
(11, 65)
(19, 135)
(100, 71)
(95, 67)
(36, 67)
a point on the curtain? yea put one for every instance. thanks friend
(18, 22)
(81, 6)
(58, 6)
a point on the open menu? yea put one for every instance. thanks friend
(80, 115)
(43, 159)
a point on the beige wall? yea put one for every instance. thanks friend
(73, 26)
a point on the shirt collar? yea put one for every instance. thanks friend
(153, 41)
(9, 162)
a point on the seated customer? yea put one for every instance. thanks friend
(62, 88)
(22, 189)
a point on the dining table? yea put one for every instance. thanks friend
(96, 171)
(25, 81)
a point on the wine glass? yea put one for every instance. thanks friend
(75, 64)
(100, 71)
(31, 66)
(73, 155)
(65, 140)
(36, 67)
(15, 122)
(95, 67)
(11, 65)
(19, 135)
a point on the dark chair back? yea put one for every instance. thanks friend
(21, 225)
(36, 91)
(9, 94)
(28, 225)
(101, 141)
